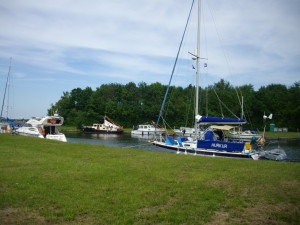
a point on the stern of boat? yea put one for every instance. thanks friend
(57, 137)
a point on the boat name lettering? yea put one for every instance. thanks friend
(217, 145)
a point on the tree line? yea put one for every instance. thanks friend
(132, 104)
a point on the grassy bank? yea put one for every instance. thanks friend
(282, 135)
(49, 182)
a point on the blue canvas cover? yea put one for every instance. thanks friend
(180, 140)
(220, 145)
(170, 140)
(209, 136)
(220, 120)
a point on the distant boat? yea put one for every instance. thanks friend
(107, 127)
(5, 128)
(244, 135)
(43, 127)
(186, 131)
(147, 129)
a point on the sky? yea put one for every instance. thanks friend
(59, 45)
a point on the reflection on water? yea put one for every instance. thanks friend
(292, 148)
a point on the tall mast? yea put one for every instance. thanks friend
(7, 80)
(198, 68)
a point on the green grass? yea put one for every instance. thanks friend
(49, 182)
(283, 134)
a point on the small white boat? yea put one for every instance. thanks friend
(187, 132)
(43, 127)
(243, 135)
(147, 129)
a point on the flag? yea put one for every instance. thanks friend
(205, 64)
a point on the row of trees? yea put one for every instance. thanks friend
(132, 104)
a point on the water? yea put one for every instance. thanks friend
(291, 147)
(116, 140)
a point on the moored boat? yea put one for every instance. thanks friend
(207, 142)
(147, 129)
(186, 131)
(107, 127)
(43, 127)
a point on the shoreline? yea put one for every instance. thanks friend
(128, 132)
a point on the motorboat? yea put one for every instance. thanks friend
(147, 129)
(107, 127)
(43, 127)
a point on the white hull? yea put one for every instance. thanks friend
(243, 136)
(146, 132)
(57, 137)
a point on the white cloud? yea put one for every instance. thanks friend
(80, 42)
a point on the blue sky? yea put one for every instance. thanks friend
(59, 45)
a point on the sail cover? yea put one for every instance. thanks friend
(219, 120)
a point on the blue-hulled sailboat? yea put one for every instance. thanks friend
(209, 142)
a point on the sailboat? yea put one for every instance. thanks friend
(208, 143)
(5, 123)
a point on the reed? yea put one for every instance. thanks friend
(49, 182)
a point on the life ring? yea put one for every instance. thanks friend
(53, 121)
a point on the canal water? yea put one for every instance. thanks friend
(291, 147)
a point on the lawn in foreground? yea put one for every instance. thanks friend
(49, 182)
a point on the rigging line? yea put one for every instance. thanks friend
(227, 59)
(189, 107)
(219, 102)
(167, 125)
(222, 103)
(166, 94)
(225, 107)
(248, 115)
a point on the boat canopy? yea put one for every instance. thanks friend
(219, 120)
(222, 127)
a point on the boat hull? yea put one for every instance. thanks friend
(57, 137)
(95, 131)
(244, 137)
(205, 152)
(146, 133)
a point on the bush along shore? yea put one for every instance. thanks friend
(50, 182)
